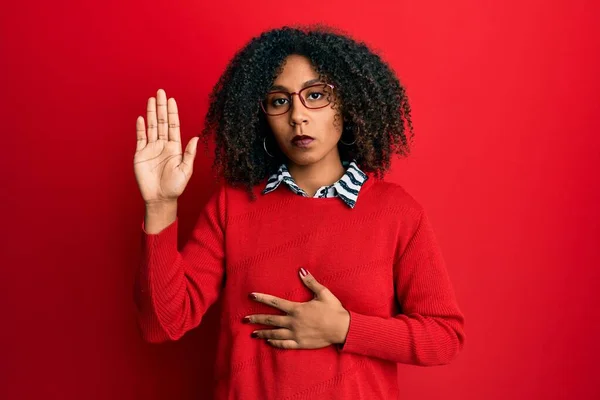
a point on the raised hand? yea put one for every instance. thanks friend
(161, 169)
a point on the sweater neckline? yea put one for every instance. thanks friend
(327, 200)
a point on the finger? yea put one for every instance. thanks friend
(151, 118)
(189, 155)
(283, 344)
(173, 118)
(282, 321)
(161, 115)
(140, 129)
(279, 334)
(281, 304)
(311, 283)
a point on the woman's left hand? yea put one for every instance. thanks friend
(312, 325)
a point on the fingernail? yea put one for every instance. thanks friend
(254, 335)
(303, 272)
(252, 296)
(246, 320)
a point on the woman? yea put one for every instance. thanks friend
(330, 276)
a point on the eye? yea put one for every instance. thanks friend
(315, 96)
(279, 102)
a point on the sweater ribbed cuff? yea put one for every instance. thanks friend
(160, 251)
(359, 331)
(166, 237)
(376, 337)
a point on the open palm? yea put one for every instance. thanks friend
(161, 169)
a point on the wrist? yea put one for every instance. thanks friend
(160, 206)
(343, 327)
(159, 215)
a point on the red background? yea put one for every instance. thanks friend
(506, 103)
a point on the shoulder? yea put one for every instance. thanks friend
(236, 198)
(394, 195)
(240, 194)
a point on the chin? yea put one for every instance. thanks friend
(316, 153)
(303, 158)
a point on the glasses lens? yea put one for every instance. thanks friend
(317, 96)
(276, 103)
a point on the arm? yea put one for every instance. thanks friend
(429, 331)
(174, 289)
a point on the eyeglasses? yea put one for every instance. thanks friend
(312, 97)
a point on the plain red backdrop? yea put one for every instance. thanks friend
(505, 98)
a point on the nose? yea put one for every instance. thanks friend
(297, 110)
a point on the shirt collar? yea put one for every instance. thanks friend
(346, 188)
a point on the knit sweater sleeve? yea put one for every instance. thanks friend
(174, 288)
(429, 328)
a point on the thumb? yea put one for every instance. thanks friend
(311, 283)
(189, 155)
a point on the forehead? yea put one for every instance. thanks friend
(297, 69)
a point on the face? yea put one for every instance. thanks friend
(305, 135)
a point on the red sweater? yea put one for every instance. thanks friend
(380, 259)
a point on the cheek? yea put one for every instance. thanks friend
(279, 130)
(277, 125)
(335, 125)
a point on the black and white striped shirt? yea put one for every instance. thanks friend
(346, 188)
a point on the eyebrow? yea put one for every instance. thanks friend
(305, 84)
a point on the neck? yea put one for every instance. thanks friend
(324, 172)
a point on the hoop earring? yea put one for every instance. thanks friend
(347, 144)
(265, 147)
(347, 129)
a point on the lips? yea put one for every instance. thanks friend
(302, 140)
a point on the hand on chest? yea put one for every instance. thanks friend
(357, 268)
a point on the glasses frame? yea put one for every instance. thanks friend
(290, 98)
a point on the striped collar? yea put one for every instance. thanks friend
(346, 188)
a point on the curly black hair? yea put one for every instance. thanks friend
(371, 102)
